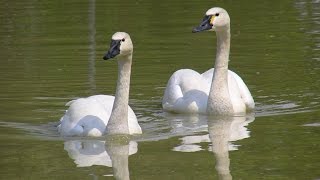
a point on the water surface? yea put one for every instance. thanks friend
(51, 51)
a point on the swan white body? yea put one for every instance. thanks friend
(102, 114)
(216, 91)
(89, 117)
(187, 91)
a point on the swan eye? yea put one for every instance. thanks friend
(217, 14)
(123, 40)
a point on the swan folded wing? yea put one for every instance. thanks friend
(104, 100)
(107, 101)
(85, 117)
(172, 93)
(244, 91)
(63, 117)
(70, 102)
(89, 117)
(239, 92)
(207, 76)
(134, 127)
(193, 101)
(173, 90)
(191, 80)
(185, 92)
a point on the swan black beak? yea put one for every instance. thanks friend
(114, 49)
(204, 25)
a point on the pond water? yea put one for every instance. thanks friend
(51, 53)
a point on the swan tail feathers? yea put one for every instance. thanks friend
(70, 102)
(172, 93)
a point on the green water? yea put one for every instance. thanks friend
(51, 51)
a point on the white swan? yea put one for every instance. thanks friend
(218, 90)
(100, 114)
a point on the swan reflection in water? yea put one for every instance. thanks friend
(86, 153)
(223, 132)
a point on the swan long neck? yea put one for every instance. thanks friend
(223, 50)
(219, 101)
(118, 122)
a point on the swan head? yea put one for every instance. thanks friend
(121, 45)
(216, 19)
